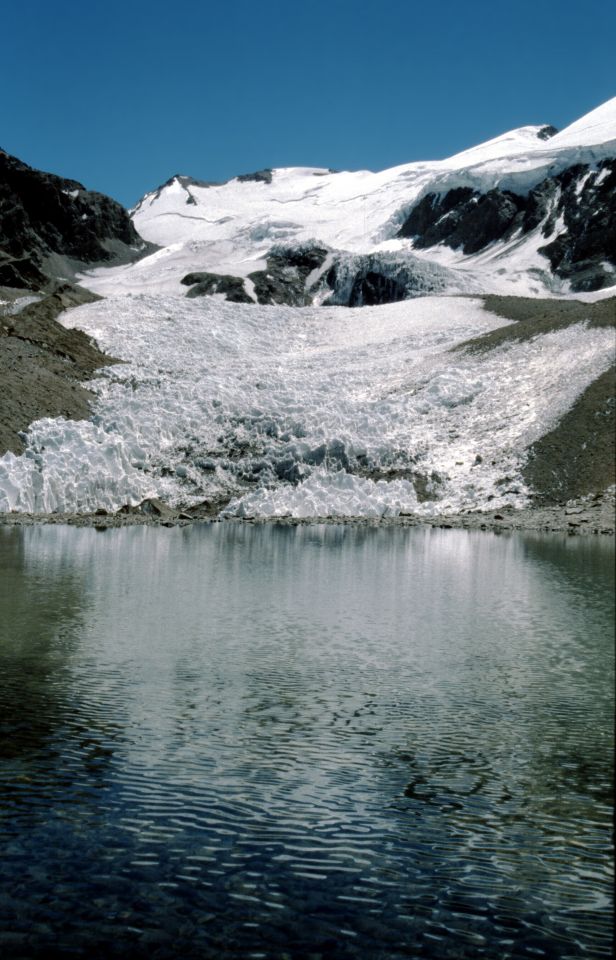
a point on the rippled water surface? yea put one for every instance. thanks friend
(236, 741)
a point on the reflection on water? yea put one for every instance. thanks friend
(237, 741)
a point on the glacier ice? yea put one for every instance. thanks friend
(303, 412)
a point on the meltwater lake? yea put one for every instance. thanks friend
(242, 741)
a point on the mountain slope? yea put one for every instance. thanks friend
(51, 227)
(43, 365)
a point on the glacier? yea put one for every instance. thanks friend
(303, 412)
(330, 408)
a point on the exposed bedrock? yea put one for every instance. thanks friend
(286, 279)
(574, 211)
(463, 219)
(50, 227)
(287, 276)
(206, 284)
(585, 252)
(259, 176)
(547, 132)
(311, 273)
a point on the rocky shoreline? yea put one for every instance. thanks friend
(594, 515)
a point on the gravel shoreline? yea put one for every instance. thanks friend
(44, 368)
(594, 515)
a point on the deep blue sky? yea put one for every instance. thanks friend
(122, 94)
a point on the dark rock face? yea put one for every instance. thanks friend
(463, 219)
(304, 259)
(260, 176)
(272, 286)
(295, 276)
(283, 282)
(582, 199)
(206, 284)
(588, 242)
(50, 226)
(547, 132)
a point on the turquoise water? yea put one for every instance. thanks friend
(264, 741)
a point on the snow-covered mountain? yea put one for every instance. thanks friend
(344, 377)
(530, 212)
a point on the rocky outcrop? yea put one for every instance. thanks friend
(463, 219)
(574, 211)
(585, 251)
(287, 277)
(311, 273)
(259, 176)
(284, 281)
(51, 227)
(206, 284)
(547, 132)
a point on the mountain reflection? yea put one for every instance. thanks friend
(248, 738)
(43, 713)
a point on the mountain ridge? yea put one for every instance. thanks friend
(52, 227)
(529, 212)
(527, 197)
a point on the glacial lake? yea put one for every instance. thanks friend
(311, 742)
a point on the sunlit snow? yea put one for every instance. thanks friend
(319, 411)
(303, 412)
(230, 228)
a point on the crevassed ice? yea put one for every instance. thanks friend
(303, 412)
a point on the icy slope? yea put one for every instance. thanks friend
(229, 228)
(303, 412)
(596, 127)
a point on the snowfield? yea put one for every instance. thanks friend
(230, 228)
(303, 412)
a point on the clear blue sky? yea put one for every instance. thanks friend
(121, 95)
